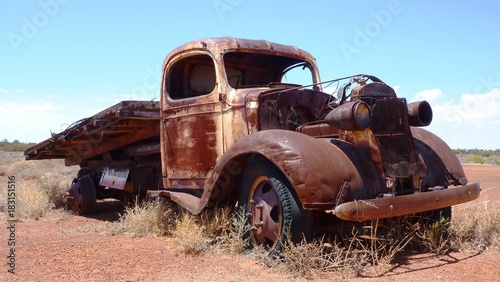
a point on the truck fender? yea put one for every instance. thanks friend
(316, 168)
(435, 151)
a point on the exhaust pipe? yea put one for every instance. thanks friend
(420, 113)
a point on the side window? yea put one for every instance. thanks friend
(192, 76)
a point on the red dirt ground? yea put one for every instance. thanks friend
(52, 249)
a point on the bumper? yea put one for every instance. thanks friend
(370, 209)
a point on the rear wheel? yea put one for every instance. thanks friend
(82, 195)
(271, 208)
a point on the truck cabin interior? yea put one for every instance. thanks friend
(196, 75)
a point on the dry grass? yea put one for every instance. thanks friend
(225, 228)
(148, 218)
(40, 185)
(478, 231)
(347, 256)
(189, 235)
(216, 230)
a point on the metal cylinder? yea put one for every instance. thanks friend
(420, 113)
(350, 116)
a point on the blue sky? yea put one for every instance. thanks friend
(63, 60)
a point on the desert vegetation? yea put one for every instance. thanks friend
(42, 184)
(14, 146)
(478, 156)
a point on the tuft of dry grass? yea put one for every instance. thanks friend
(189, 235)
(32, 202)
(218, 230)
(147, 218)
(478, 231)
(433, 237)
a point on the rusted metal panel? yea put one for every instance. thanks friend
(439, 151)
(193, 143)
(319, 130)
(227, 44)
(316, 168)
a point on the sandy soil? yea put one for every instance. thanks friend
(54, 249)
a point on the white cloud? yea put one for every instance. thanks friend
(29, 121)
(4, 91)
(471, 122)
(20, 91)
(33, 118)
(430, 96)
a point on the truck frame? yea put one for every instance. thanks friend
(231, 130)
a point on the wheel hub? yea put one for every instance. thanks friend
(264, 213)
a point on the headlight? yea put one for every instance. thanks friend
(350, 116)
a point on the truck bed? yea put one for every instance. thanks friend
(125, 123)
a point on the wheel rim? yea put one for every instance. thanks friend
(76, 198)
(265, 214)
(82, 196)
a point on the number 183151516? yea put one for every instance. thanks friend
(11, 197)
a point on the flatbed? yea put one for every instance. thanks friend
(120, 125)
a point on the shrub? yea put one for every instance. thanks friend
(189, 236)
(225, 228)
(32, 202)
(55, 187)
(147, 218)
(475, 160)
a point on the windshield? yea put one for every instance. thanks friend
(251, 69)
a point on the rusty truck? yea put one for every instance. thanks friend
(247, 124)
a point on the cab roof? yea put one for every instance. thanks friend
(221, 45)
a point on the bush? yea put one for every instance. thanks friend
(32, 202)
(189, 236)
(148, 218)
(475, 160)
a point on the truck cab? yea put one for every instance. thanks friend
(210, 97)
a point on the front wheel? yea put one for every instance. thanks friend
(271, 208)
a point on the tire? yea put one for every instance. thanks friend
(83, 195)
(272, 210)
